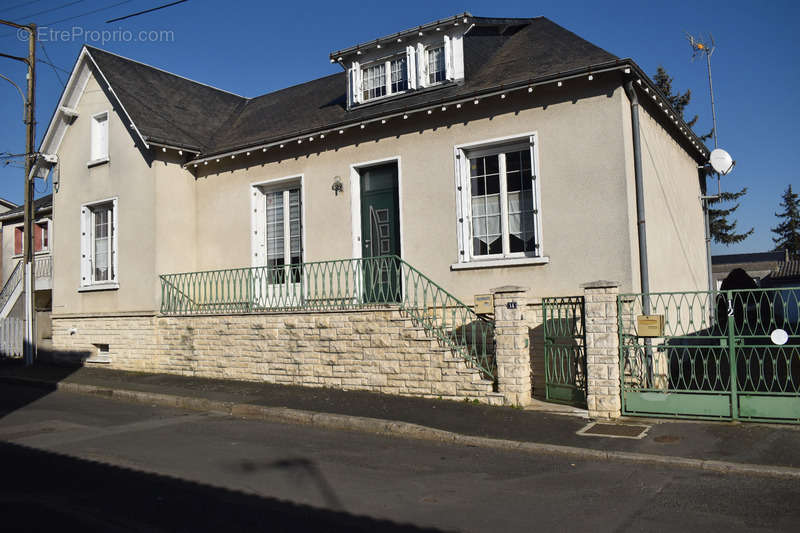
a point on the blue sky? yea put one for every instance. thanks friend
(253, 47)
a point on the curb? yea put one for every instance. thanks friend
(399, 429)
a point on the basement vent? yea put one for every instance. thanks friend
(103, 354)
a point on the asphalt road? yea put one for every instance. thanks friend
(77, 462)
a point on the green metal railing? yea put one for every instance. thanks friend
(717, 357)
(337, 285)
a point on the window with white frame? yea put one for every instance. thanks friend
(99, 243)
(278, 231)
(498, 201)
(99, 146)
(375, 82)
(436, 65)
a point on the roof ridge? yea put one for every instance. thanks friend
(93, 48)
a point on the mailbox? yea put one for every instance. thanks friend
(650, 325)
(484, 304)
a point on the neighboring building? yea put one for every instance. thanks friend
(5, 205)
(11, 302)
(786, 274)
(482, 151)
(757, 265)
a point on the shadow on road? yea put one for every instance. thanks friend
(45, 491)
(13, 368)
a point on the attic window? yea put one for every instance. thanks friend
(436, 65)
(99, 146)
(375, 83)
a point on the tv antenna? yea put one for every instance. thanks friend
(701, 46)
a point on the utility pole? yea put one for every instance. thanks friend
(30, 162)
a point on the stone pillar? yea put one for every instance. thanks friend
(512, 351)
(602, 349)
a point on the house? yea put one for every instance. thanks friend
(757, 265)
(5, 206)
(335, 233)
(11, 300)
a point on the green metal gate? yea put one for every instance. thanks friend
(565, 349)
(720, 355)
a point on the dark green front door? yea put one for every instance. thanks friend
(380, 233)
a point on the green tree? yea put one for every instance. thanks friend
(788, 231)
(723, 231)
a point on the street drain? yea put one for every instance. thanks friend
(621, 431)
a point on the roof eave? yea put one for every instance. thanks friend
(627, 65)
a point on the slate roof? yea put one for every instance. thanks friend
(757, 257)
(40, 205)
(788, 269)
(169, 109)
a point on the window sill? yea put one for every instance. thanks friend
(100, 287)
(96, 162)
(35, 254)
(497, 263)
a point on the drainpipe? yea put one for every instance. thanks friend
(637, 170)
(640, 224)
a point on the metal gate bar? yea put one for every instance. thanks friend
(715, 357)
(565, 349)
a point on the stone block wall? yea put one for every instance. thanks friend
(602, 349)
(375, 350)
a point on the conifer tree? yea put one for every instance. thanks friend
(723, 231)
(788, 231)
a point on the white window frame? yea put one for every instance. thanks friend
(462, 153)
(98, 147)
(267, 292)
(428, 50)
(387, 81)
(88, 281)
(43, 251)
(415, 51)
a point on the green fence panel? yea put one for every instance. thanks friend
(716, 357)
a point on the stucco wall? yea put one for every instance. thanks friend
(673, 210)
(581, 172)
(128, 177)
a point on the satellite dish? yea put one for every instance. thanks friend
(721, 161)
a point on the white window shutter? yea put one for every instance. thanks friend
(422, 66)
(411, 65)
(86, 246)
(355, 83)
(114, 241)
(258, 228)
(457, 46)
(448, 58)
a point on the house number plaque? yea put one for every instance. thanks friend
(511, 305)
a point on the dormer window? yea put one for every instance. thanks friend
(404, 65)
(375, 83)
(436, 65)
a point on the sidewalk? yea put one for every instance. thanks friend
(719, 446)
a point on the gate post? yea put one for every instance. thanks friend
(511, 345)
(602, 349)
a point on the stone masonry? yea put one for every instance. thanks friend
(375, 350)
(602, 349)
(512, 344)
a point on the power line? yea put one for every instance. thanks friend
(50, 63)
(146, 11)
(54, 66)
(87, 13)
(92, 12)
(23, 4)
(62, 6)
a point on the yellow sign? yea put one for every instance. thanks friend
(484, 304)
(650, 325)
